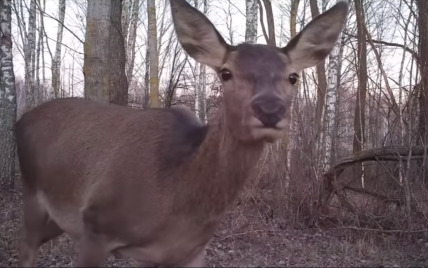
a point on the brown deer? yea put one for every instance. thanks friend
(153, 185)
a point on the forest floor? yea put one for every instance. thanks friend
(244, 239)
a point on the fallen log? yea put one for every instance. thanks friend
(331, 184)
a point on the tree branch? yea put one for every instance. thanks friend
(413, 53)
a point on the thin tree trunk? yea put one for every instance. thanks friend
(287, 141)
(359, 119)
(154, 60)
(147, 77)
(202, 82)
(131, 41)
(332, 86)
(56, 61)
(270, 35)
(30, 61)
(321, 77)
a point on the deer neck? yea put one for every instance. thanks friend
(219, 169)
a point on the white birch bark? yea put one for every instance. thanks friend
(333, 82)
(30, 61)
(251, 12)
(196, 75)
(8, 105)
(202, 83)
(130, 47)
(126, 10)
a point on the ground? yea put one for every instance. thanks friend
(244, 239)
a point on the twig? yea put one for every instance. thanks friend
(382, 231)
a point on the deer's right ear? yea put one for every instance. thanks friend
(317, 39)
(197, 34)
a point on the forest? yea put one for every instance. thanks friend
(347, 185)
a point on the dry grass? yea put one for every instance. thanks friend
(246, 238)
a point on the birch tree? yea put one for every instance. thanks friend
(105, 48)
(56, 60)
(131, 40)
(8, 105)
(201, 94)
(154, 59)
(288, 143)
(251, 12)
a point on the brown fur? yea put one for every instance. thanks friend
(153, 185)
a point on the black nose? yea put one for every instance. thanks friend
(269, 110)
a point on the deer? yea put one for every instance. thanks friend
(153, 184)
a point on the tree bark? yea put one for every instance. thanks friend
(30, 59)
(56, 60)
(251, 10)
(321, 77)
(154, 60)
(130, 58)
(104, 59)
(359, 119)
(8, 105)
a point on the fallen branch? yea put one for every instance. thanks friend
(390, 153)
(331, 184)
(380, 230)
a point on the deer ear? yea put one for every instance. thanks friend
(317, 39)
(197, 34)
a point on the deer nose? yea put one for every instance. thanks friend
(269, 110)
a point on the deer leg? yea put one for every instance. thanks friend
(198, 260)
(36, 229)
(91, 252)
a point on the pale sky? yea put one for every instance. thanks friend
(72, 51)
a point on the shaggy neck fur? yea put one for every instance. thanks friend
(217, 171)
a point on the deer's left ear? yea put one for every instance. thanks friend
(197, 34)
(317, 39)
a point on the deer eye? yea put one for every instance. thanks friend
(225, 74)
(293, 78)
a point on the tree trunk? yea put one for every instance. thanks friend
(251, 9)
(202, 82)
(131, 41)
(359, 119)
(30, 59)
(321, 77)
(154, 61)
(56, 61)
(147, 77)
(270, 35)
(287, 141)
(328, 122)
(104, 59)
(8, 105)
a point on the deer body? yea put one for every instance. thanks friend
(153, 185)
(156, 218)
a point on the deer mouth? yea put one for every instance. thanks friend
(269, 133)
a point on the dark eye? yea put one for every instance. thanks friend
(225, 74)
(293, 78)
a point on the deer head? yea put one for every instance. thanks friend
(259, 81)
